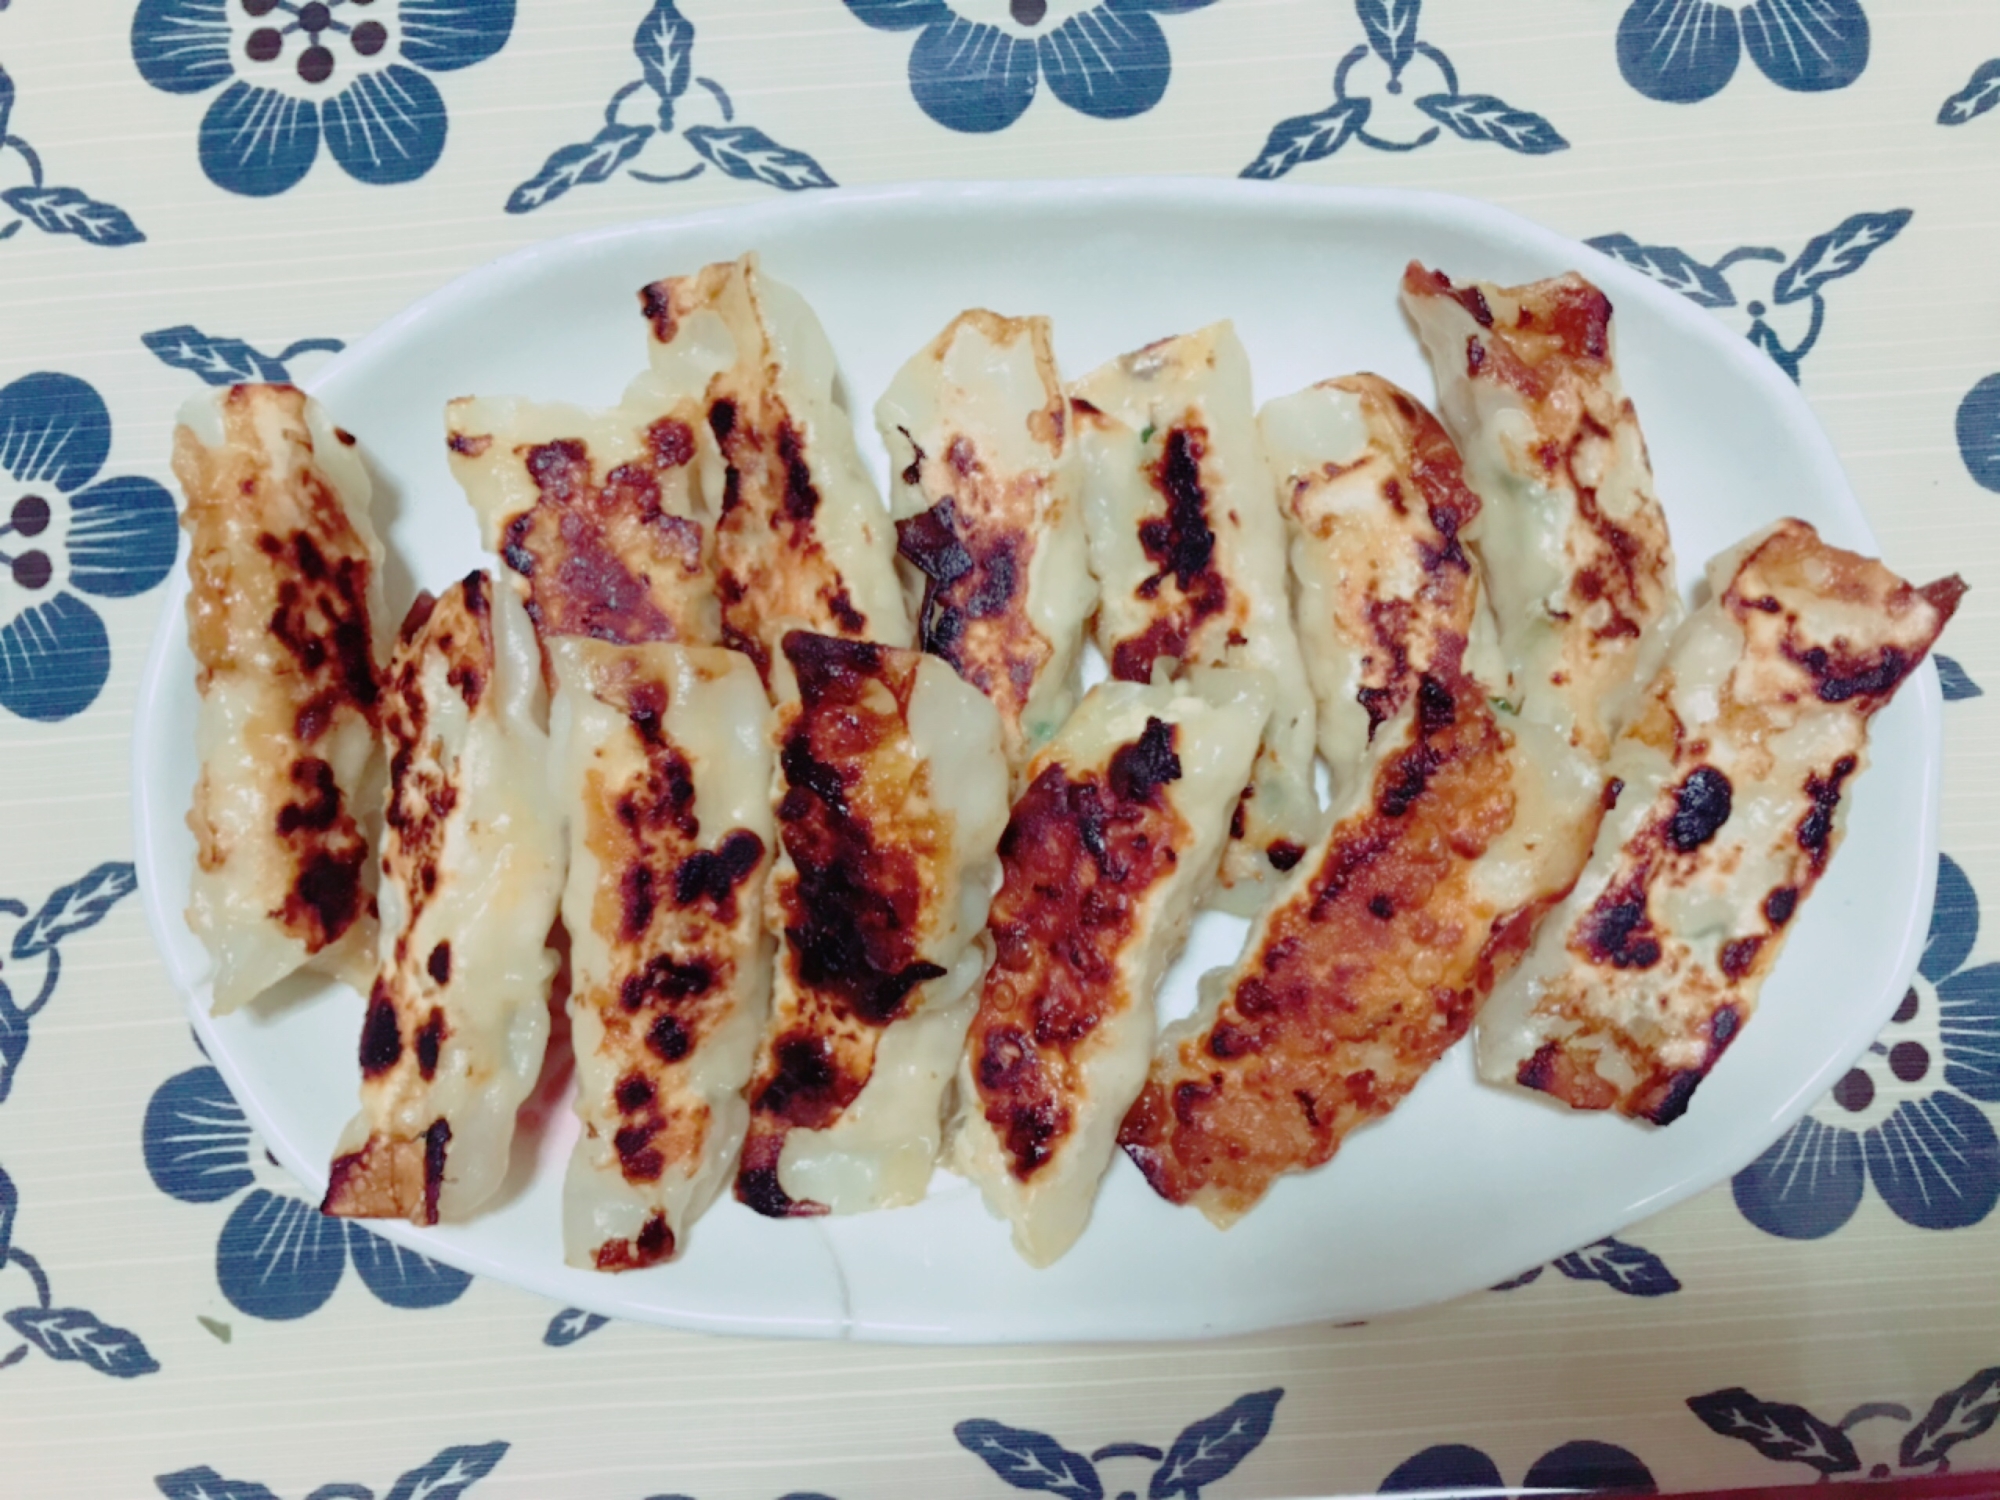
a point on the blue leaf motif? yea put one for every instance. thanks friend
(1965, 1411)
(1936, 1162)
(971, 77)
(196, 1141)
(1808, 48)
(10, 1205)
(745, 152)
(1674, 269)
(443, 36)
(256, 141)
(1839, 252)
(1980, 94)
(450, 1474)
(1030, 1460)
(13, 1038)
(1208, 1449)
(403, 1278)
(54, 657)
(1969, 1031)
(1624, 1268)
(122, 538)
(53, 427)
(1956, 682)
(664, 44)
(386, 127)
(1532, 1274)
(1392, 29)
(279, 1258)
(1777, 1430)
(1108, 63)
(1678, 51)
(898, 15)
(219, 361)
(573, 166)
(1806, 1185)
(1954, 923)
(571, 1324)
(1481, 117)
(6, 102)
(181, 46)
(75, 907)
(1304, 138)
(204, 1483)
(70, 1333)
(68, 210)
(1978, 430)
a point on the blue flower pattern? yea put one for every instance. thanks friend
(65, 533)
(51, 208)
(1774, 298)
(1684, 51)
(354, 72)
(1397, 93)
(1863, 1441)
(445, 1476)
(278, 1257)
(979, 72)
(1908, 1116)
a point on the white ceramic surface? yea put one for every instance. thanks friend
(1465, 1185)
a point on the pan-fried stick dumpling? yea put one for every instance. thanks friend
(594, 513)
(989, 518)
(801, 537)
(892, 795)
(662, 757)
(472, 868)
(1463, 827)
(1573, 539)
(1375, 501)
(1188, 545)
(1104, 859)
(284, 611)
(1732, 789)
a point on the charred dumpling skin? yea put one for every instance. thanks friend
(1573, 538)
(472, 867)
(802, 540)
(986, 494)
(1462, 827)
(284, 611)
(1189, 549)
(594, 514)
(1375, 502)
(661, 755)
(1732, 786)
(1105, 858)
(891, 796)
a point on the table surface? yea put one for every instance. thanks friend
(209, 190)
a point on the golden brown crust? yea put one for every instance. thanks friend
(864, 843)
(404, 1027)
(279, 582)
(1078, 859)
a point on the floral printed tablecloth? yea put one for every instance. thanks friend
(203, 191)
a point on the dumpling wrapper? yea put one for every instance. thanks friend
(891, 798)
(661, 755)
(802, 540)
(1189, 549)
(284, 615)
(986, 492)
(1573, 539)
(1464, 825)
(472, 868)
(1374, 499)
(594, 514)
(1105, 858)
(1732, 790)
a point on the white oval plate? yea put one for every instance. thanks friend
(1465, 1184)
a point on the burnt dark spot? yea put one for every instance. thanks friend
(1613, 790)
(669, 1039)
(1617, 930)
(1181, 542)
(1675, 1098)
(1435, 709)
(1392, 491)
(634, 1091)
(435, 1140)
(1738, 955)
(1382, 907)
(913, 471)
(1816, 827)
(829, 667)
(655, 1241)
(645, 706)
(478, 603)
(716, 873)
(640, 900)
(801, 498)
(381, 1036)
(843, 611)
(1539, 1071)
(1780, 904)
(514, 549)
(321, 808)
(962, 457)
(1030, 1130)
(638, 1158)
(1701, 807)
(1228, 1041)
(1840, 680)
(656, 303)
(1475, 355)
(664, 978)
(672, 442)
(722, 420)
(1403, 780)
(1283, 854)
(1005, 1061)
(1473, 300)
(328, 888)
(469, 445)
(1723, 1025)
(801, 1082)
(430, 1039)
(1147, 762)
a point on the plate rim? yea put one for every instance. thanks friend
(1489, 221)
